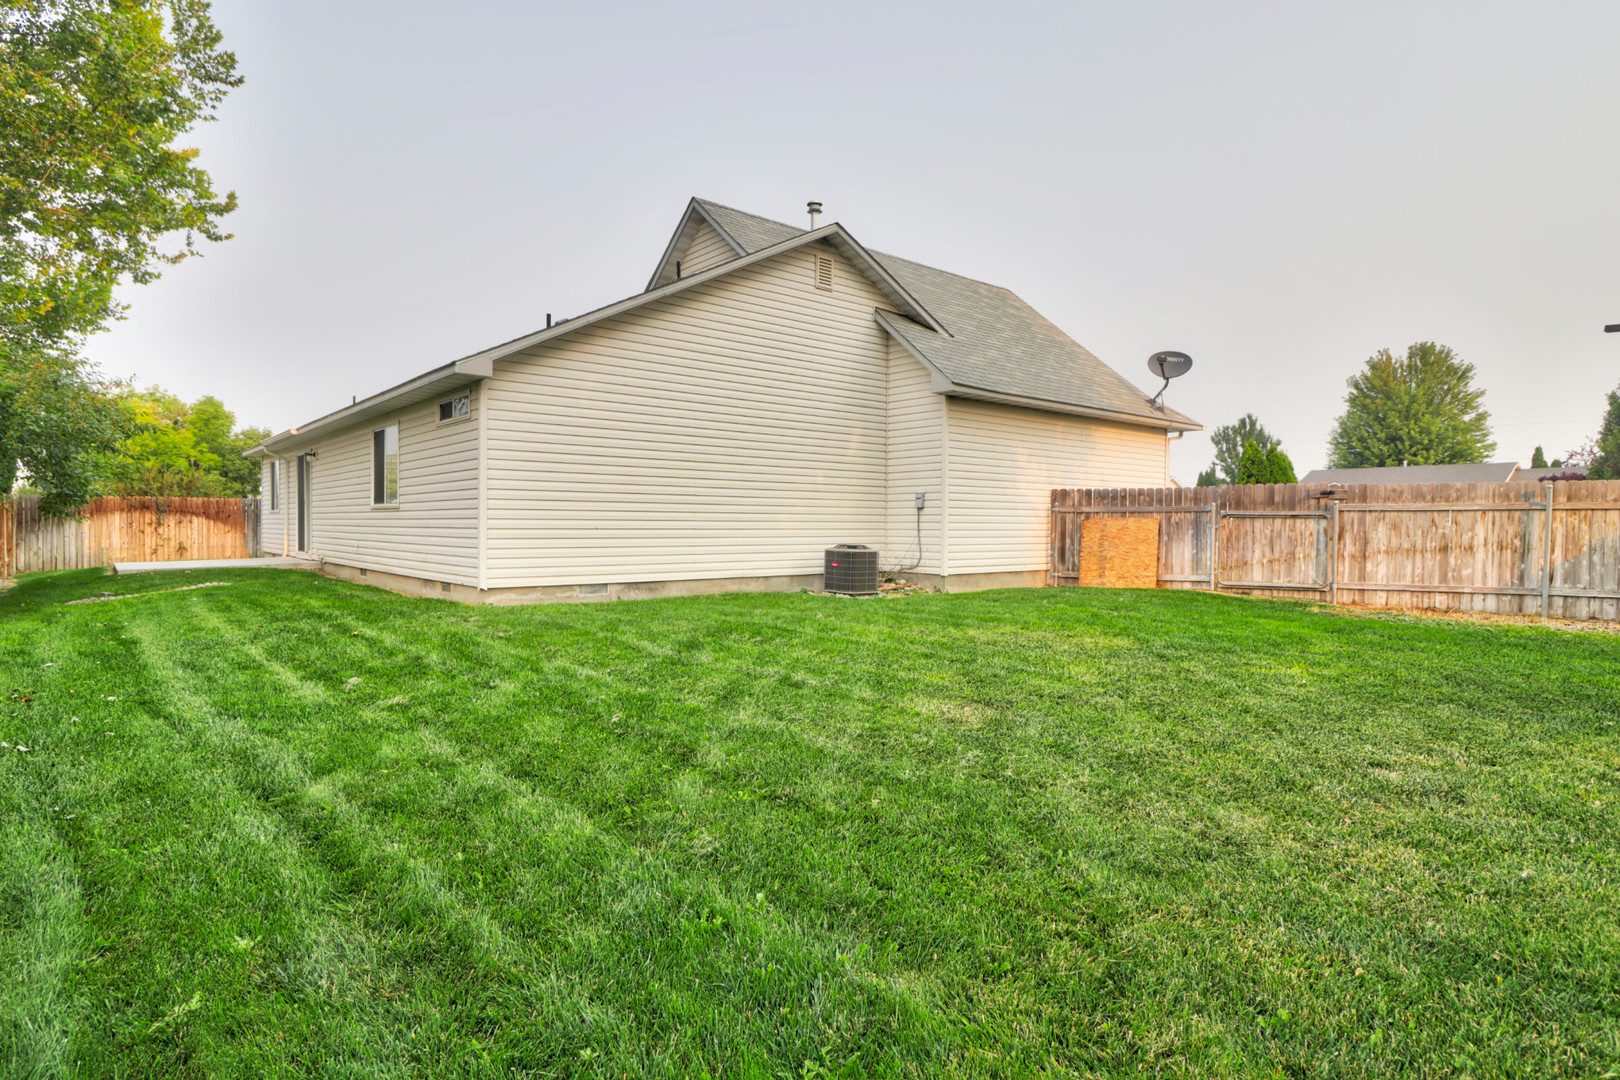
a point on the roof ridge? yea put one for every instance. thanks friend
(880, 254)
(947, 273)
(746, 213)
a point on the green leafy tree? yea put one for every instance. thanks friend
(1207, 478)
(216, 433)
(1538, 459)
(177, 449)
(1606, 457)
(94, 190)
(1229, 441)
(58, 424)
(1420, 409)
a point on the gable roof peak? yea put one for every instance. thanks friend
(745, 232)
(974, 335)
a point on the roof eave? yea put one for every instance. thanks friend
(448, 376)
(942, 383)
(833, 232)
(939, 382)
(886, 282)
(1167, 423)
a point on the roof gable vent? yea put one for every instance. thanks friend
(824, 268)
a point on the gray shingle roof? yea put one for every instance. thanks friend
(750, 230)
(1490, 472)
(996, 343)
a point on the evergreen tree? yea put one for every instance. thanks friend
(1263, 465)
(1279, 469)
(1252, 467)
(1538, 460)
(1207, 478)
(1229, 441)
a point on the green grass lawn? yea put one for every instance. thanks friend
(295, 827)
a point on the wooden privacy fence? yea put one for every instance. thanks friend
(111, 530)
(1524, 548)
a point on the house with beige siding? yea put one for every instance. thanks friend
(774, 391)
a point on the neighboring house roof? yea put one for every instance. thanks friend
(1491, 472)
(999, 347)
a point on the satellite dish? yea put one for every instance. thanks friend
(1168, 365)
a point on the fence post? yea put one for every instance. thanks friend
(1547, 563)
(1215, 543)
(1333, 555)
(8, 537)
(252, 519)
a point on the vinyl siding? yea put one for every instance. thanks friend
(735, 429)
(273, 535)
(1003, 463)
(916, 444)
(433, 531)
(708, 248)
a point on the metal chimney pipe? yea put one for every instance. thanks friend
(815, 213)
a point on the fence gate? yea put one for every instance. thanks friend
(1276, 549)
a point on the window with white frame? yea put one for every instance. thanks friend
(385, 466)
(275, 485)
(453, 409)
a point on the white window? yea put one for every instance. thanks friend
(454, 408)
(385, 466)
(275, 485)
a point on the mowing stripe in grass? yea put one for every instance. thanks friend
(41, 928)
(243, 908)
(1075, 831)
(1147, 862)
(610, 910)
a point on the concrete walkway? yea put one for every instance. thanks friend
(211, 564)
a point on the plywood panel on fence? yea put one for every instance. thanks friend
(116, 529)
(1185, 547)
(1119, 552)
(1471, 547)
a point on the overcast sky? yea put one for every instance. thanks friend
(1279, 189)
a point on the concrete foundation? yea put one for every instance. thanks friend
(646, 590)
(954, 583)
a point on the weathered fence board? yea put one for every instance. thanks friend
(1470, 547)
(8, 528)
(116, 529)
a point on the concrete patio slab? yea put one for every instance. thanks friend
(212, 564)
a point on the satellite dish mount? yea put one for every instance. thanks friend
(1167, 365)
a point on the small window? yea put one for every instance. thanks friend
(824, 272)
(455, 407)
(275, 485)
(385, 466)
